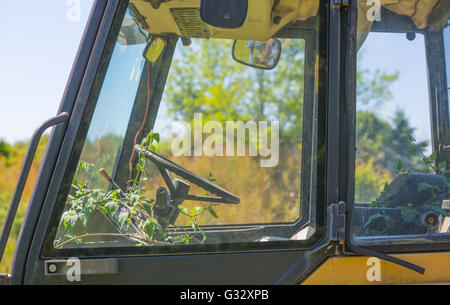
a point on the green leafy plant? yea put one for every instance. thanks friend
(427, 197)
(130, 211)
(5, 149)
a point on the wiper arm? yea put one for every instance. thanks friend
(386, 257)
(338, 231)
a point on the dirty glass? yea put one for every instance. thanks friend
(401, 178)
(222, 158)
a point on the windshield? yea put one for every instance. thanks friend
(189, 145)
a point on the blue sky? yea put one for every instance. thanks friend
(39, 44)
(394, 53)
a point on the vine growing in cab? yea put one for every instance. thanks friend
(130, 211)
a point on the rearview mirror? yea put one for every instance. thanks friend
(154, 49)
(257, 54)
(131, 34)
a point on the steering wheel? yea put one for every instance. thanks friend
(166, 167)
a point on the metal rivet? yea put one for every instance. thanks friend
(410, 36)
(52, 268)
(277, 19)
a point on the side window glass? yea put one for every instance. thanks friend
(401, 179)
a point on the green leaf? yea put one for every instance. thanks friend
(197, 211)
(159, 228)
(114, 194)
(386, 189)
(69, 235)
(70, 219)
(423, 186)
(90, 206)
(408, 214)
(156, 137)
(211, 177)
(103, 209)
(83, 217)
(133, 199)
(96, 194)
(399, 166)
(183, 209)
(149, 228)
(195, 227)
(372, 217)
(122, 219)
(432, 157)
(412, 150)
(147, 206)
(112, 207)
(213, 213)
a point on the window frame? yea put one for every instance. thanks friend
(439, 133)
(48, 251)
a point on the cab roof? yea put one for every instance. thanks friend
(264, 17)
(182, 17)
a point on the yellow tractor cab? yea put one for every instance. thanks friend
(246, 142)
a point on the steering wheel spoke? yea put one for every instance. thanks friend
(167, 167)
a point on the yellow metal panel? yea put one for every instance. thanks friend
(360, 270)
(258, 24)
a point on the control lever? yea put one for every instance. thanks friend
(166, 209)
(106, 176)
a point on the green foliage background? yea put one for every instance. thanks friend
(10, 166)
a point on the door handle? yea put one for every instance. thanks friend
(56, 120)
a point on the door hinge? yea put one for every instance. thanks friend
(337, 4)
(5, 279)
(336, 221)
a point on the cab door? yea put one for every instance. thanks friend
(248, 214)
(399, 200)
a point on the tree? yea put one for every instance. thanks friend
(5, 149)
(398, 144)
(373, 86)
(206, 79)
(385, 143)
